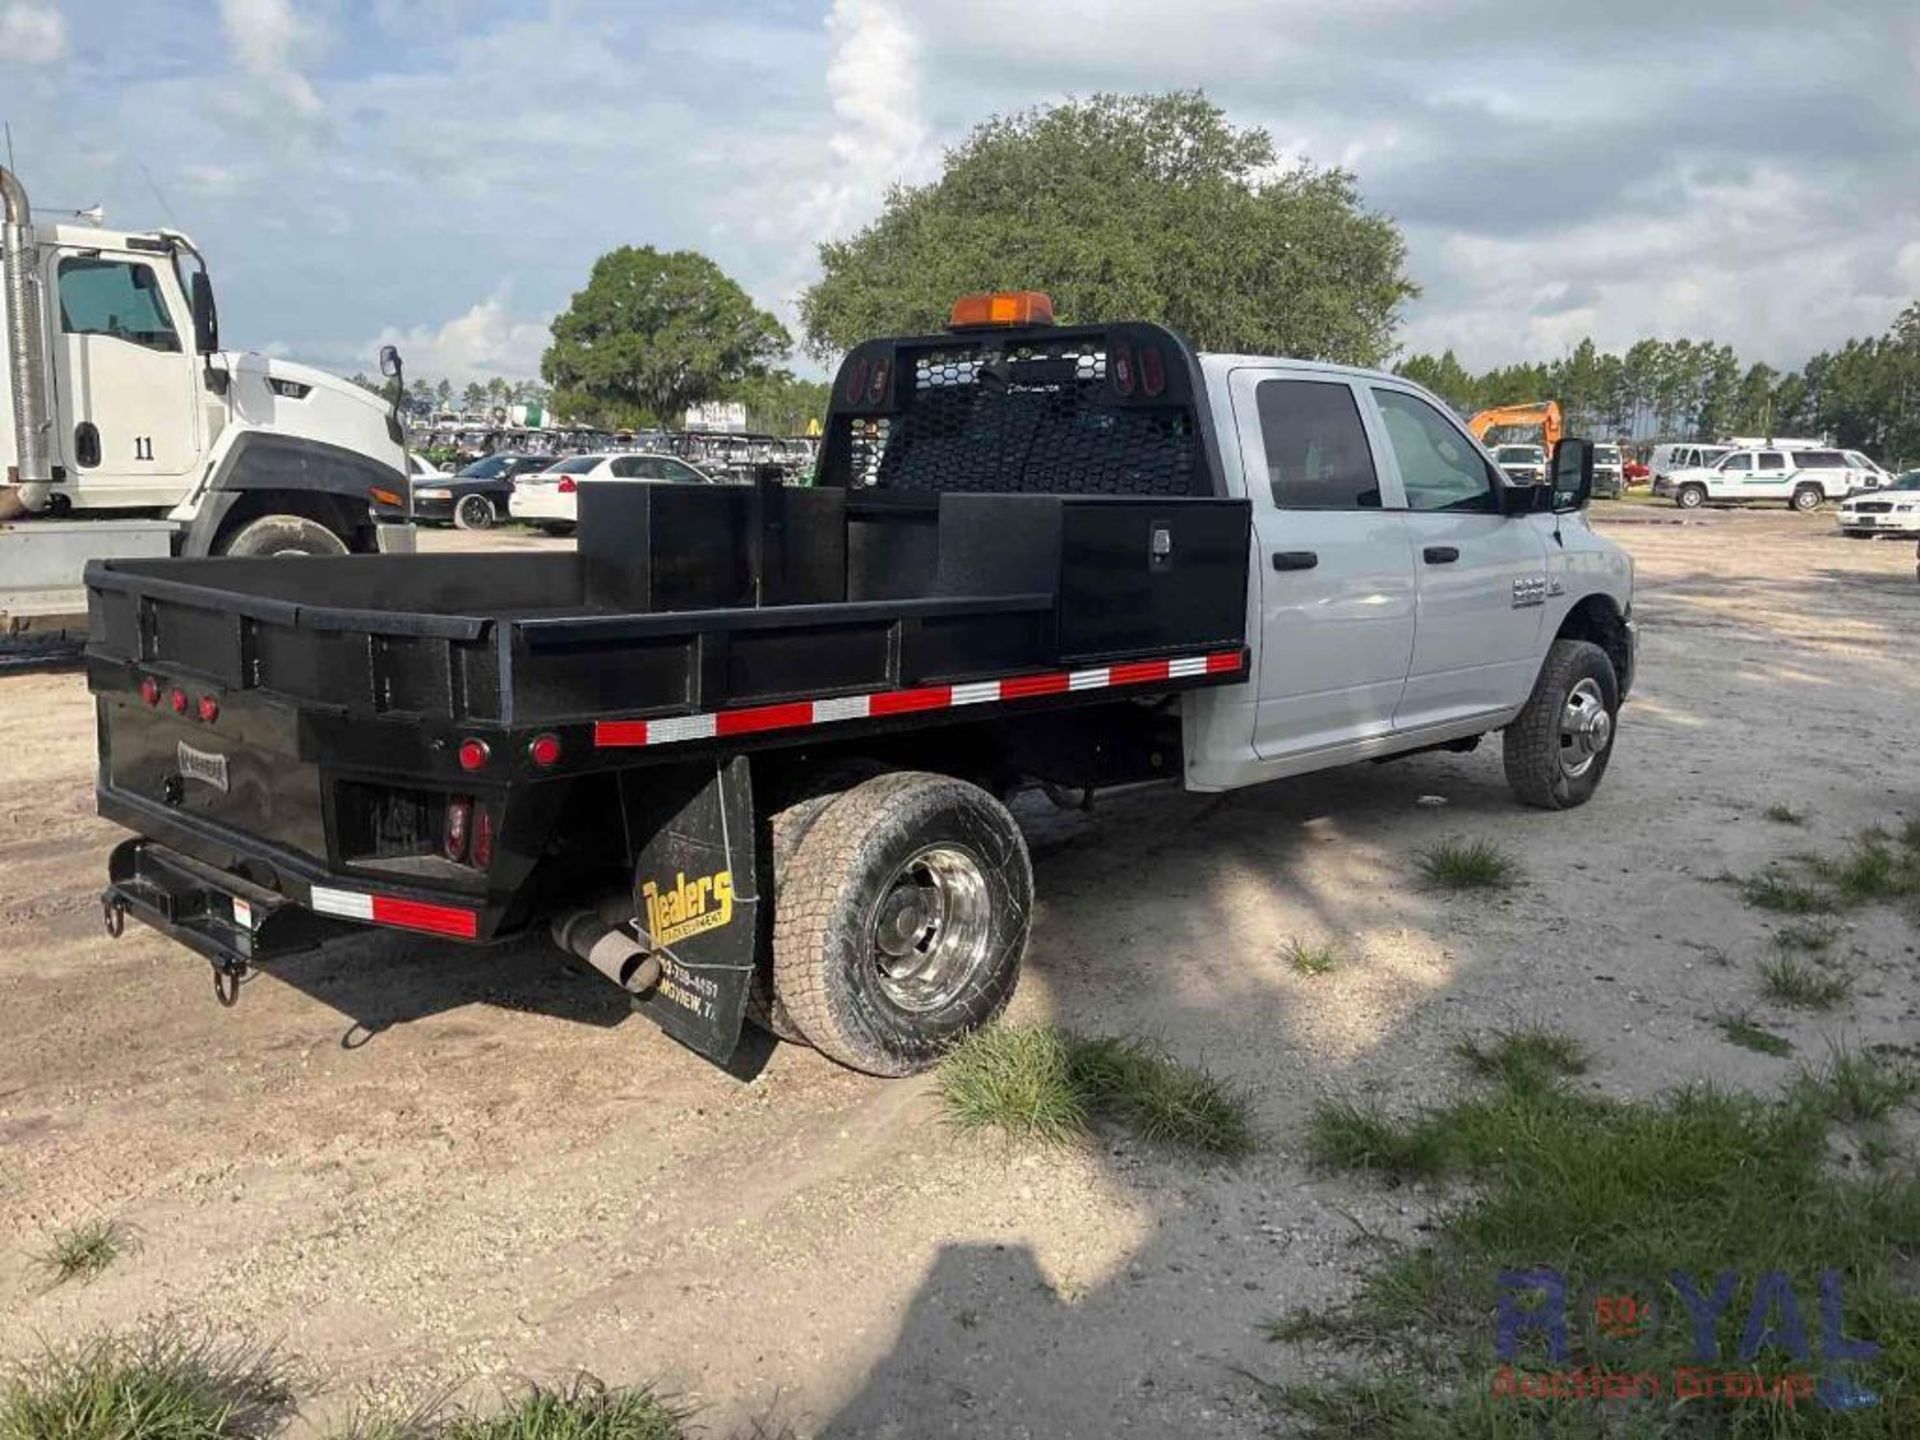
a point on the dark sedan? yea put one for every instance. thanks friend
(477, 496)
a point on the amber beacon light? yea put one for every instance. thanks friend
(1001, 308)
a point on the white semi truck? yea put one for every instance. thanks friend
(126, 431)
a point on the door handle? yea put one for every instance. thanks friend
(1440, 554)
(1295, 559)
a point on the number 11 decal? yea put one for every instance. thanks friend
(143, 447)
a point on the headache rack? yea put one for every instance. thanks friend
(1108, 410)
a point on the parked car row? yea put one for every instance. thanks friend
(550, 499)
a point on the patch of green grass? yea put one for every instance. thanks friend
(1305, 959)
(1815, 938)
(1697, 1181)
(1524, 1059)
(166, 1384)
(1858, 1089)
(1807, 987)
(1871, 870)
(1035, 1082)
(1773, 889)
(584, 1410)
(84, 1251)
(1468, 865)
(1354, 1134)
(1743, 1032)
(1784, 815)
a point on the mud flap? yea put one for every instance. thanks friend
(696, 897)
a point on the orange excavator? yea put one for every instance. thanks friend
(1520, 425)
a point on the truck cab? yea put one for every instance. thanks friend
(1402, 591)
(127, 430)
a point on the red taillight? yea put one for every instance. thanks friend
(567, 485)
(544, 751)
(1122, 363)
(856, 387)
(209, 709)
(474, 754)
(877, 385)
(453, 837)
(1153, 375)
(482, 838)
(150, 690)
(178, 700)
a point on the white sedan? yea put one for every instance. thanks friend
(550, 499)
(1893, 509)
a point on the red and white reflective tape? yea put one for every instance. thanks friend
(794, 714)
(391, 910)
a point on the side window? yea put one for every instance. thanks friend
(1819, 460)
(1772, 460)
(1317, 453)
(628, 467)
(1738, 464)
(117, 298)
(1439, 469)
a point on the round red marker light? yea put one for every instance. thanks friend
(209, 709)
(150, 690)
(178, 700)
(544, 751)
(474, 754)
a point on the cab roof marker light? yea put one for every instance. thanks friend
(1001, 308)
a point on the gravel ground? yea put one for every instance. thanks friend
(425, 1167)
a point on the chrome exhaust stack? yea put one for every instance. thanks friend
(31, 474)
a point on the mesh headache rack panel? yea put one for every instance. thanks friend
(1034, 415)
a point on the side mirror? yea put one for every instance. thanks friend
(1572, 475)
(206, 319)
(390, 361)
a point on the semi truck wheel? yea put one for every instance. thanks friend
(1558, 747)
(901, 921)
(283, 535)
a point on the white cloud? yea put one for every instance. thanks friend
(486, 341)
(265, 34)
(32, 32)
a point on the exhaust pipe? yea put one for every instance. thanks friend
(614, 952)
(30, 476)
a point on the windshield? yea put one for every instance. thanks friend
(1520, 455)
(1906, 480)
(485, 469)
(1607, 454)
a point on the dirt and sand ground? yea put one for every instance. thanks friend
(422, 1167)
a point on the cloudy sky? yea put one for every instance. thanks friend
(443, 172)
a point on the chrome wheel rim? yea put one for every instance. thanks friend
(1586, 729)
(476, 512)
(930, 932)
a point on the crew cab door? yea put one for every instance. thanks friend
(1335, 587)
(126, 377)
(1481, 576)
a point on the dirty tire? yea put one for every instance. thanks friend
(474, 512)
(764, 1005)
(1807, 498)
(862, 852)
(283, 535)
(1535, 745)
(1690, 497)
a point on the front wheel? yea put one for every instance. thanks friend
(283, 535)
(1690, 497)
(474, 512)
(1807, 497)
(1558, 747)
(901, 920)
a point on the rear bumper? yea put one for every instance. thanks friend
(183, 875)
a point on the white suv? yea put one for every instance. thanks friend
(1804, 479)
